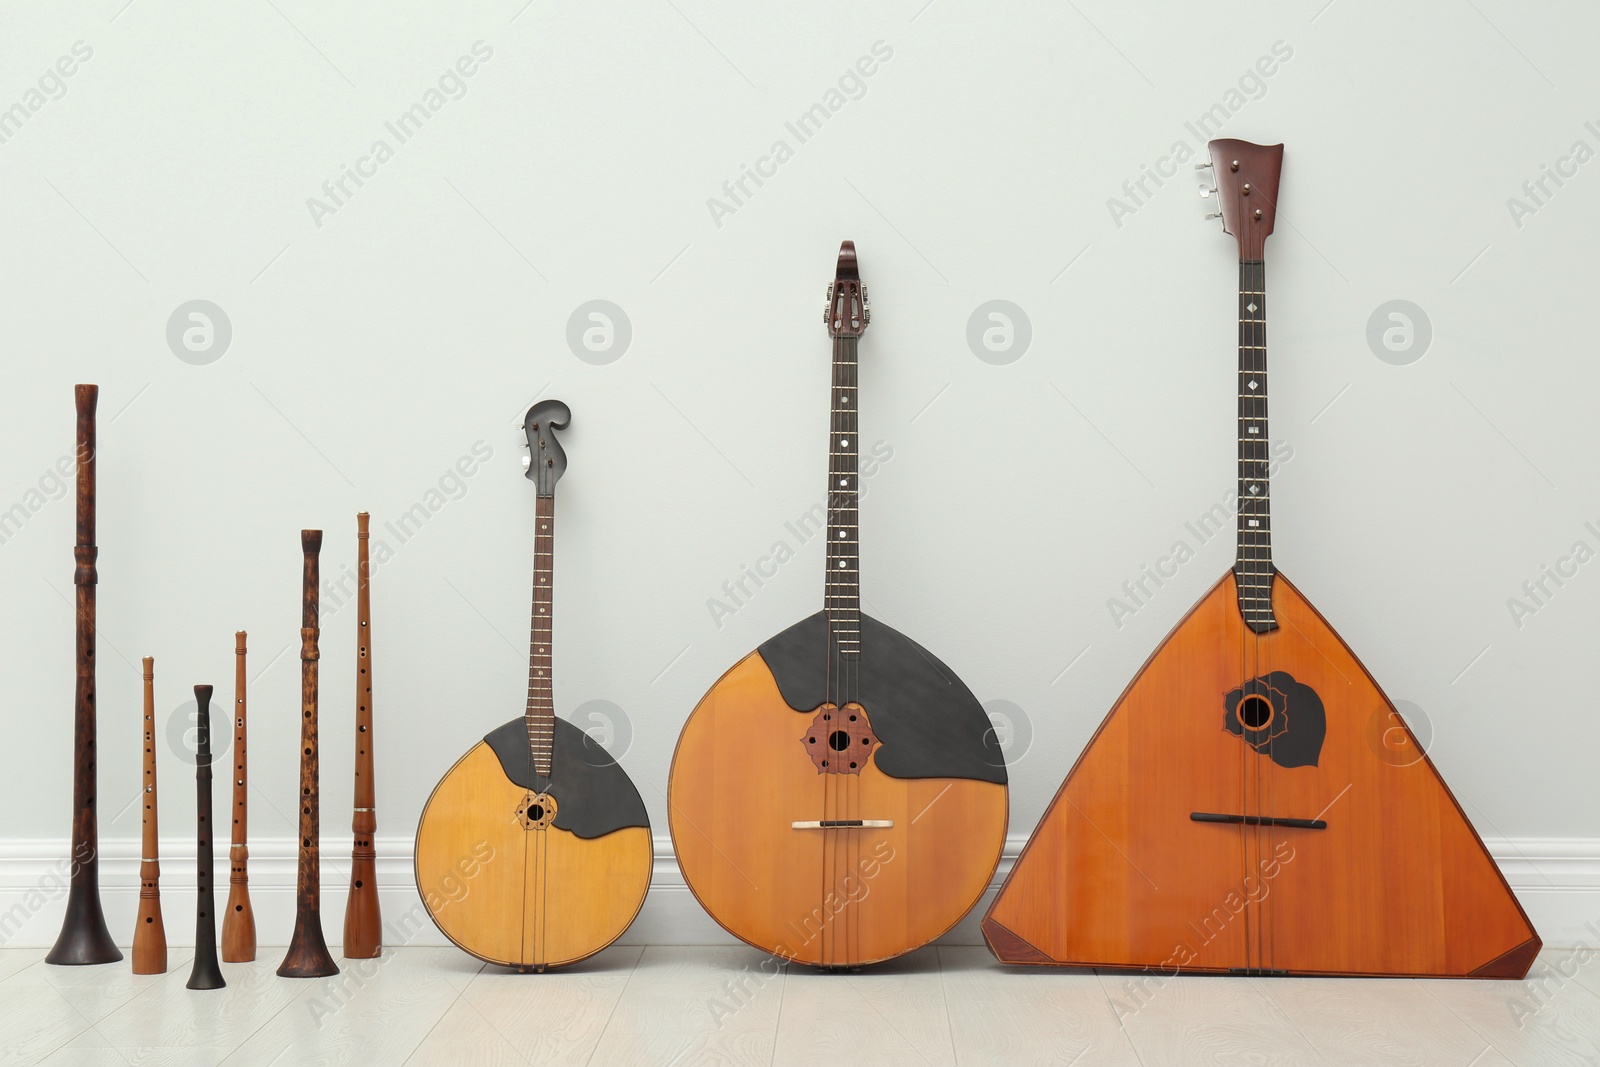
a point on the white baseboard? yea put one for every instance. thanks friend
(1556, 879)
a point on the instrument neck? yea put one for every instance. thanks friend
(1252, 567)
(541, 715)
(842, 583)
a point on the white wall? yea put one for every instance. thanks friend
(375, 345)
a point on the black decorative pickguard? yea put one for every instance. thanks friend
(928, 723)
(594, 795)
(1291, 733)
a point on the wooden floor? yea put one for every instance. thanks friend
(662, 1006)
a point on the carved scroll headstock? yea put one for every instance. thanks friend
(848, 310)
(546, 460)
(1247, 191)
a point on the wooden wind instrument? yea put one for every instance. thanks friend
(84, 937)
(149, 934)
(239, 922)
(308, 953)
(205, 974)
(363, 926)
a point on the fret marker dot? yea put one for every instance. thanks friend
(1253, 492)
(841, 535)
(1252, 383)
(841, 564)
(1255, 522)
(1255, 429)
(844, 442)
(1250, 306)
(844, 481)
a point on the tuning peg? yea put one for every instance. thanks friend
(1203, 166)
(527, 459)
(1204, 192)
(1214, 215)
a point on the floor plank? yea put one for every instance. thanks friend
(98, 991)
(1547, 1018)
(1023, 1016)
(73, 1054)
(893, 1012)
(504, 1017)
(1195, 1020)
(13, 960)
(169, 1015)
(676, 990)
(1377, 1023)
(373, 1011)
(35, 1020)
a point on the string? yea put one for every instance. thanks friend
(1244, 646)
(840, 938)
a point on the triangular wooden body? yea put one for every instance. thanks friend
(1119, 874)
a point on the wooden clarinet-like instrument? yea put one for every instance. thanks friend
(239, 922)
(149, 934)
(84, 937)
(363, 926)
(205, 974)
(308, 953)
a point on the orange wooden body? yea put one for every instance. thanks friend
(741, 777)
(1117, 875)
(525, 898)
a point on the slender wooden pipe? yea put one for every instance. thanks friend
(205, 974)
(363, 927)
(308, 953)
(84, 937)
(149, 934)
(239, 922)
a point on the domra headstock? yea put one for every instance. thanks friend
(546, 460)
(1247, 191)
(848, 310)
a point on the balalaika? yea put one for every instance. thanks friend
(838, 797)
(1254, 804)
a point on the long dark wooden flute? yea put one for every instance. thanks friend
(149, 934)
(239, 922)
(205, 974)
(84, 937)
(308, 953)
(363, 928)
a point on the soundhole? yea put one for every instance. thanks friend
(839, 741)
(1255, 712)
(536, 811)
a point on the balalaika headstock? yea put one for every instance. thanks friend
(546, 461)
(848, 310)
(1247, 191)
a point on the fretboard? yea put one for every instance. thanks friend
(842, 594)
(541, 714)
(1252, 565)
